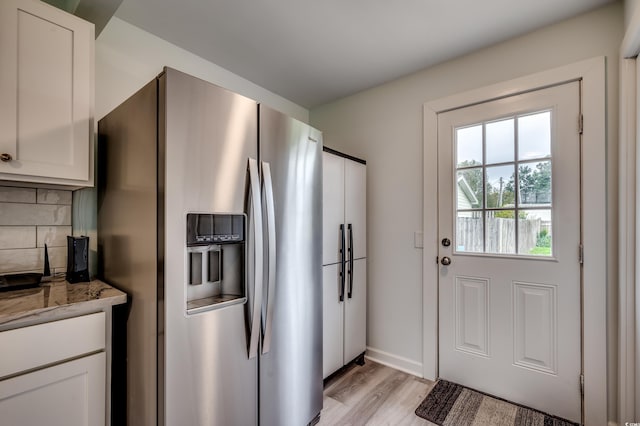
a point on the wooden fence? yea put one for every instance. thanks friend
(501, 235)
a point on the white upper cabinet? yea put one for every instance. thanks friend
(46, 94)
(344, 198)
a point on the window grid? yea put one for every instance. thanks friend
(517, 207)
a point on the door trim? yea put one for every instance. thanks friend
(628, 357)
(594, 342)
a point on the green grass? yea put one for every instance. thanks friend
(540, 251)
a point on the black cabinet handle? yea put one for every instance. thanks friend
(350, 293)
(342, 263)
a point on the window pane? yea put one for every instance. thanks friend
(535, 184)
(534, 233)
(469, 146)
(500, 186)
(500, 144)
(534, 136)
(469, 232)
(469, 188)
(501, 232)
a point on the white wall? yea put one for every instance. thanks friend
(128, 57)
(383, 125)
(630, 7)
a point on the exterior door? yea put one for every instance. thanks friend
(509, 243)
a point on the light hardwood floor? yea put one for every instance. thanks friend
(373, 394)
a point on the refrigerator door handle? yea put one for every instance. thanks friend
(350, 292)
(267, 188)
(255, 216)
(342, 263)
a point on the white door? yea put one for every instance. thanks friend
(509, 238)
(355, 208)
(332, 208)
(46, 91)
(332, 319)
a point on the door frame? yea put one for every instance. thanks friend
(594, 139)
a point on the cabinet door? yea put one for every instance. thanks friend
(355, 195)
(332, 320)
(69, 394)
(355, 311)
(332, 207)
(46, 93)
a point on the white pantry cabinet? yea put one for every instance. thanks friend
(344, 260)
(55, 373)
(46, 95)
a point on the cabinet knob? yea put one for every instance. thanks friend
(6, 157)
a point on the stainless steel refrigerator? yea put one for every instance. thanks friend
(210, 218)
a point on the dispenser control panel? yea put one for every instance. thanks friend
(207, 228)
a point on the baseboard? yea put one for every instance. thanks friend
(390, 360)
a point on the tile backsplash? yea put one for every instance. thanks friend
(29, 219)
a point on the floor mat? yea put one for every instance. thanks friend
(450, 404)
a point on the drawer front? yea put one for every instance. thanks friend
(44, 344)
(67, 394)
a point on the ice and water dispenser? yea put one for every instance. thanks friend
(215, 261)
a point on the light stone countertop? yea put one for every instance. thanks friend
(56, 300)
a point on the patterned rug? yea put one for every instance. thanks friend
(449, 404)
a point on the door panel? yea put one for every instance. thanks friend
(509, 199)
(291, 372)
(472, 315)
(355, 311)
(332, 207)
(355, 212)
(332, 320)
(209, 378)
(535, 325)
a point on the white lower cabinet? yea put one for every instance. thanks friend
(54, 373)
(67, 394)
(344, 321)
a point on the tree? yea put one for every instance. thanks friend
(535, 184)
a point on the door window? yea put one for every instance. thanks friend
(503, 186)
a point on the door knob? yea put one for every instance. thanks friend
(446, 261)
(446, 242)
(5, 157)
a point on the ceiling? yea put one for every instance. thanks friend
(313, 52)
